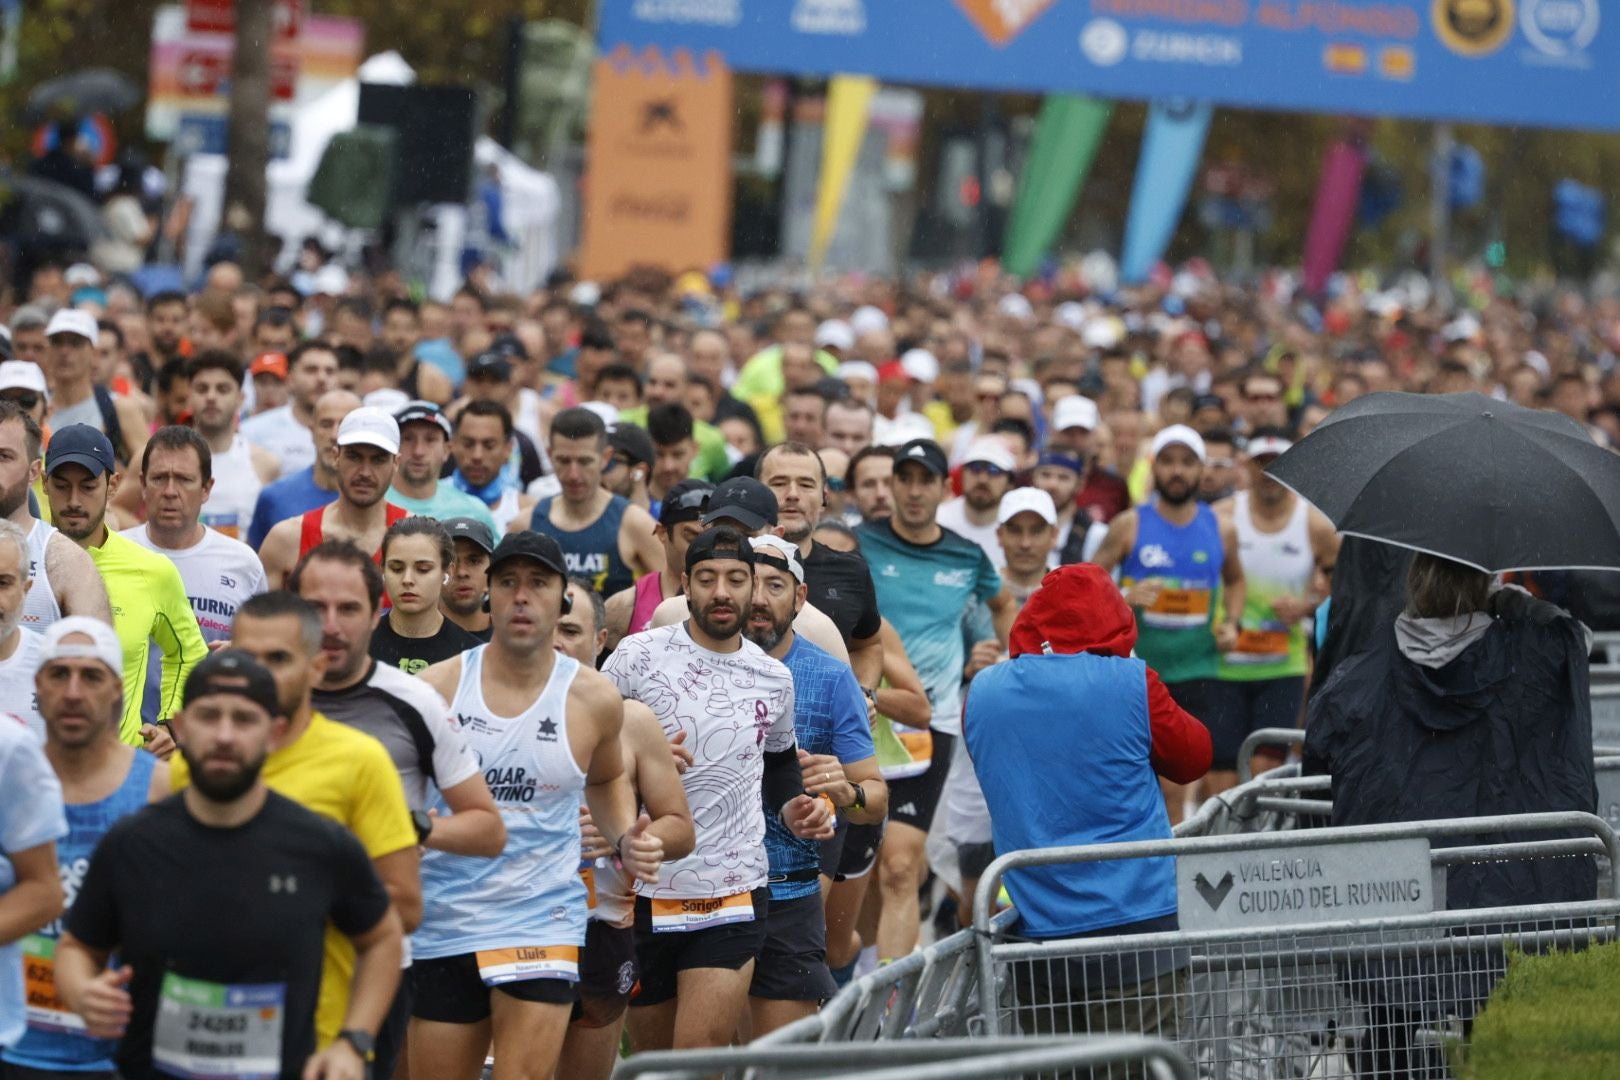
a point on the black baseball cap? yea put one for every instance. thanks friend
(924, 452)
(632, 441)
(490, 365)
(420, 412)
(469, 528)
(714, 544)
(509, 346)
(233, 671)
(529, 544)
(744, 500)
(685, 501)
(80, 444)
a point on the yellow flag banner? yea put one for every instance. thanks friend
(658, 166)
(849, 102)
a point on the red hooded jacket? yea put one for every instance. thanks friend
(1078, 608)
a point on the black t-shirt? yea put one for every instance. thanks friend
(415, 655)
(841, 586)
(232, 918)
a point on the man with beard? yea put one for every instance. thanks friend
(340, 773)
(987, 472)
(1174, 555)
(700, 926)
(79, 686)
(364, 458)
(310, 487)
(63, 579)
(1102, 495)
(546, 729)
(1222, 472)
(927, 577)
(216, 903)
(241, 468)
(868, 483)
(1059, 473)
(76, 398)
(630, 611)
(312, 370)
(484, 442)
(424, 447)
(463, 598)
(148, 595)
(838, 762)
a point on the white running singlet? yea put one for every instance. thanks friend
(17, 691)
(229, 508)
(734, 708)
(522, 912)
(40, 608)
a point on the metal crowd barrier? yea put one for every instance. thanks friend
(926, 1059)
(1273, 736)
(1322, 954)
(1279, 800)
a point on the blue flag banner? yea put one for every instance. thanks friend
(1546, 63)
(1171, 146)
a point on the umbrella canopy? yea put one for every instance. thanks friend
(1476, 480)
(44, 213)
(80, 93)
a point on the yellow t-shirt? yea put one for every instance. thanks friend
(343, 774)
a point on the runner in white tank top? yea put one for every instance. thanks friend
(40, 609)
(229, 508)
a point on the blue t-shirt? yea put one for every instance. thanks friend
(448, 502)
(287, 497)
(31, 814)
(829, 717)
(924, 590)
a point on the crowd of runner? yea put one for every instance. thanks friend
(534, 670)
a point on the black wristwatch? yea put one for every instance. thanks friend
(363, 1043)
(424, 825)
(860, 796)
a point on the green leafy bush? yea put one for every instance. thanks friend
(1553, 1016)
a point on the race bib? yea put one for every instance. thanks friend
(587, 874)
(219, 1031)
(683, 916)
(1178, 608)
(1259, 647)
(45, 1009)
(497, 966)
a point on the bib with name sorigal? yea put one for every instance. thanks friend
(677, 916)
(219, 1031)
(45, 1008)
(497, 966)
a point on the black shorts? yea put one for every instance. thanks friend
(972, 860)
(832, 849)
(606, 965)
(861, 843)
(912, 801)
(662, 957)
(792, 965)
(1237, 708)
(448, 990)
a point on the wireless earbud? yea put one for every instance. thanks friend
(486, 603)
(567, 602)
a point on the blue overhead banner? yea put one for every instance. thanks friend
(1549, 63)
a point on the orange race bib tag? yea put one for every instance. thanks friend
(587, 874)
(677, 916)
(497, 966)
(45, 1009)
(1259, 645)
(1178, 609)
(919, 743)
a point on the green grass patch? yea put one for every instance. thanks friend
(1553, 1017)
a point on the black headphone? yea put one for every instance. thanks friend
(567, 601)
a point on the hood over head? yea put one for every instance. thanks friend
(1077, 609)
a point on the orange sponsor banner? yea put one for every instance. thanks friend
(1002, 20)
(658, 167)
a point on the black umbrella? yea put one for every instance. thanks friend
(81, 93)
(45, 214)
(1476, 480)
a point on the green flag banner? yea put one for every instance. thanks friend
(1067, 135)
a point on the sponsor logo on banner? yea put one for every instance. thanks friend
(1104, 42)
(1003, 20)
(1560, 30)
(695, 12)
(1397, 62)
(1345, 59)
(845, 18)
(1473, 27)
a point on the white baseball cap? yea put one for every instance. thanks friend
(82, 275)
(370, 426)
(1267, 444)
(331, 280)
(103, 644)
(1075, 411)
(73, 321)
(1179, 434)
(585, 294)
(857, 369)
(777, 548)
(1027, 500)
(387, 398)
(1070, 314)
(835, 334)
(1016, 306)
(991, 451)
(868, 320)
(921, 365)
(22, 375)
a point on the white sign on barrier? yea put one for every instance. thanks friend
(1606, 714)
(1304, 883)
(1608, 796)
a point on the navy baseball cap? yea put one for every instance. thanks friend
(469, 528)
(924, 452)
(529, 544)
(633, 442)
(422, 412)
(686, 500)
(744, 500)
(490, 365)
(81, 444)
(713, 544)
(233, 671)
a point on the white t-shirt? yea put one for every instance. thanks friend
(30, 814)
(734, 708)
(17, 695)
(279, 432)
(229, 508)
(219, 574)
(952, 515)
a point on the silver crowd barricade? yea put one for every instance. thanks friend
(1279, 800)
(1288, 738)
(1321, 954)
(919, 1059)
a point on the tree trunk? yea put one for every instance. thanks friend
(248, 145)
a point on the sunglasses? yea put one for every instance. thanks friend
(835, 483)
(985, 468)
(1262, 397)
(692, 500)
(22, 401)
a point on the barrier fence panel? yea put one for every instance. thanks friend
(1289, 739)
(924, 1059)
(1323, 954)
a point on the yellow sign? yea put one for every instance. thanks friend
(1473, 27)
